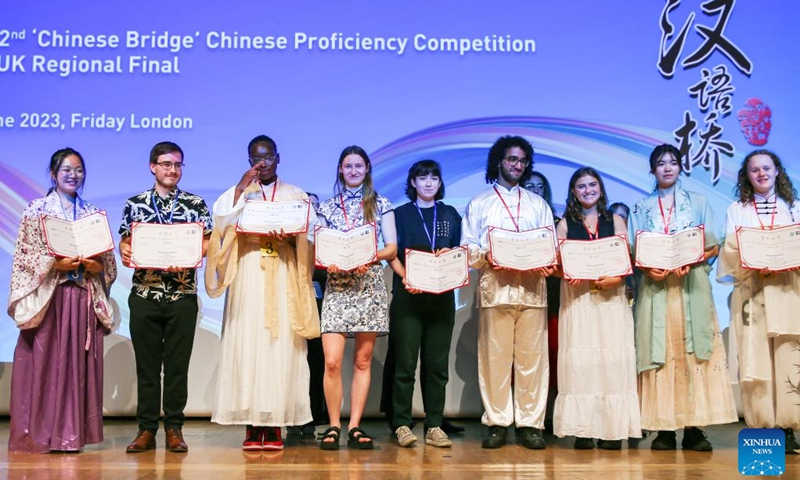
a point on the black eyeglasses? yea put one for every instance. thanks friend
(512, 160)
(170, 165)
(268, 159)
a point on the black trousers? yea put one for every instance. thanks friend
(421, 327)
(316, 366)
(163, 335)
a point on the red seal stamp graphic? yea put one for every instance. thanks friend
(755, 121)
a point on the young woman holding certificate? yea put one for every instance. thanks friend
(355, 302)
(764, 301)
(680, 356)
(596, 359)
(61, 306)
(422, 323)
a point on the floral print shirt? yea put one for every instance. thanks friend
(149, 207)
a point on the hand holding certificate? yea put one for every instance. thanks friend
(524, 250)
(777, 249)
(670, 251)
(166, 246)
(264, 218)
(86, 237)
(346, 250)
(437, 273)
(592, 259)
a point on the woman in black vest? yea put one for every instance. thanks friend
(597, 390)
(421, 324)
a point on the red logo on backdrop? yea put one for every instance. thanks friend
(755, 120)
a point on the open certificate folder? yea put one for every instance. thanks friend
(592, 259)
(670, 251)
(261, 218)
(347, 250)
(161, 246)
(434, 273)
(524, 250)
(86, 237)
(777, 249)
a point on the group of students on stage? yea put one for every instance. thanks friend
(657, 366)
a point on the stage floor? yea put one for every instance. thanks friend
(214, 453)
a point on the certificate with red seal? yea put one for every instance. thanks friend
(262, 218)
(437, 273)
(162, 246)
(668, 251)
(592, 259)
(777, 249)
(524, 250)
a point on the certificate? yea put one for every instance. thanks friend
(592, 259)
(437, 273)
(347, 250)
(261, 218)
(85, 237)
(777, 249)
(523, 250)
(160, 246)
(670, 251)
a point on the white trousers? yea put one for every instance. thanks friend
(775, 403)
(512, 349)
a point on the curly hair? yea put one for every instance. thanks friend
(574, 209)
(783, 184)
(423, 168)
(368, 194)
(498, 152)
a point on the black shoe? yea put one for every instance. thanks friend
(582, 443)
(496, 438)
(633, 443)
(695, 439)
(308, 430)
(791, 443)
(665, 441)
(448, 428)
(532, 438)
(609, 444)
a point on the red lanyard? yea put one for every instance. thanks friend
(596, 234)
(274, 188)
(669, 218)
(344, 210)
(519, 202)
(774, 211)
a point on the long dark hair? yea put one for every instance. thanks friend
(55, 163)
(548, 192)
(368, 195)
(783, 184)
(574, 210)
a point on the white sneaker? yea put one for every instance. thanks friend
(404, 436)
(437, 438)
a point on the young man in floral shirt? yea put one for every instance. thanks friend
(163, 303)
